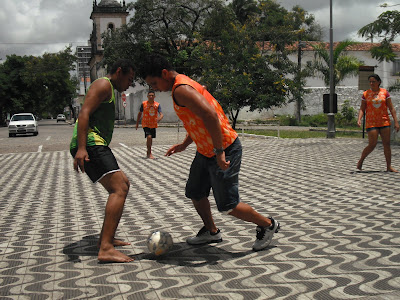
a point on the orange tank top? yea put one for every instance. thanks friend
(376, 114)
(195, 126)
(150, 114)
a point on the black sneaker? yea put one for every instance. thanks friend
(205, 237)
(264, 235)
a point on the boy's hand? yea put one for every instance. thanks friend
(175, 149)
(221, 161)
(79, 161)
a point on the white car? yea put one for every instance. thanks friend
(22, 123)
(60, 118)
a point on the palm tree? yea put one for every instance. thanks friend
(344, 65)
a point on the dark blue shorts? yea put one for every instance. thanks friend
(206, 174)
(149, 131)
(102, 162)
(377, 128)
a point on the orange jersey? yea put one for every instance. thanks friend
(376, 110)
(150, 114)
(195, 126)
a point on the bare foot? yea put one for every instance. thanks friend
(359, 165)
(113, 255)
(117, 243)
(391, 169)
(150, 156)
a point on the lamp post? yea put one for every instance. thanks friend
(331, 116)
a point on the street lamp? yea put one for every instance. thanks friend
(331, 116)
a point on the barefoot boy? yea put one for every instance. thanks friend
(150, 110)
(89, 147)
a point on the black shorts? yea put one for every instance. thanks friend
(149, 131)
(102, 162)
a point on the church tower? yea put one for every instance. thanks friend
(107, 15)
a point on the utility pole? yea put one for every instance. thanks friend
(331, 116)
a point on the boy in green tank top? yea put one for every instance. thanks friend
(89, 147)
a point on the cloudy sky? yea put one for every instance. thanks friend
(33, 27)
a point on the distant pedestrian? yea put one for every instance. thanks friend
(218, 157)
(89, 147)
(152, 115)
(375, 105)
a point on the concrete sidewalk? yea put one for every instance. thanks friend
(340, 235)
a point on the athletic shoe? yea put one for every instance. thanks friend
(205, 237)
(264, 235)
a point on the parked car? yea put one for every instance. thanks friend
(22, 124)
(61, 118)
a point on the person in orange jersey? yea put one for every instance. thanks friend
(152, 114)
(375, 104)
(218, 156)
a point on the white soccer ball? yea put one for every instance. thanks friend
(159, 242)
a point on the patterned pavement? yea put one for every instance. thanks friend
(340, 235)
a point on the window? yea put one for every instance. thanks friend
(396, 67)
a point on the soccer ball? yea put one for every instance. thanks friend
(159, 242)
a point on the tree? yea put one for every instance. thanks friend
(239, 50)
(304, 28)
(233, 66)
(387, 28)
(343, 65)
(14, 94)
(37, 84)
(167, 27)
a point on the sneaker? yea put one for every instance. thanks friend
(205, 237)
(264, 235)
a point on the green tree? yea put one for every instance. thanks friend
(233, 66)
(167, 27)
(386, 28)
(238, 49)
(14, 93)
(343, 65)
(37, 84)
(304, 28)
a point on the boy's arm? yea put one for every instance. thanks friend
(193, 100)
(99, 91)
(160, 117)
(139, 115)
(179, 147)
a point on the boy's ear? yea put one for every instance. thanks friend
(164, 74)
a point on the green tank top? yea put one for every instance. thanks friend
(101, 123)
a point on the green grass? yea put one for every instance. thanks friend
(296, 134)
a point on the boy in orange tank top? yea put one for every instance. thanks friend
(150, 110)
(218, 156)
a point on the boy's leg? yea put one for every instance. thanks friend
(149, 143)
(226, 192)
(245, 212)
(209, 233)
(117, 185)
(204, 210)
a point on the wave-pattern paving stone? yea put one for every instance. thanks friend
(340, 236)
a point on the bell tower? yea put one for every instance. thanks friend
(107, 15)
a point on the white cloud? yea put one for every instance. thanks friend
(32, 27)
